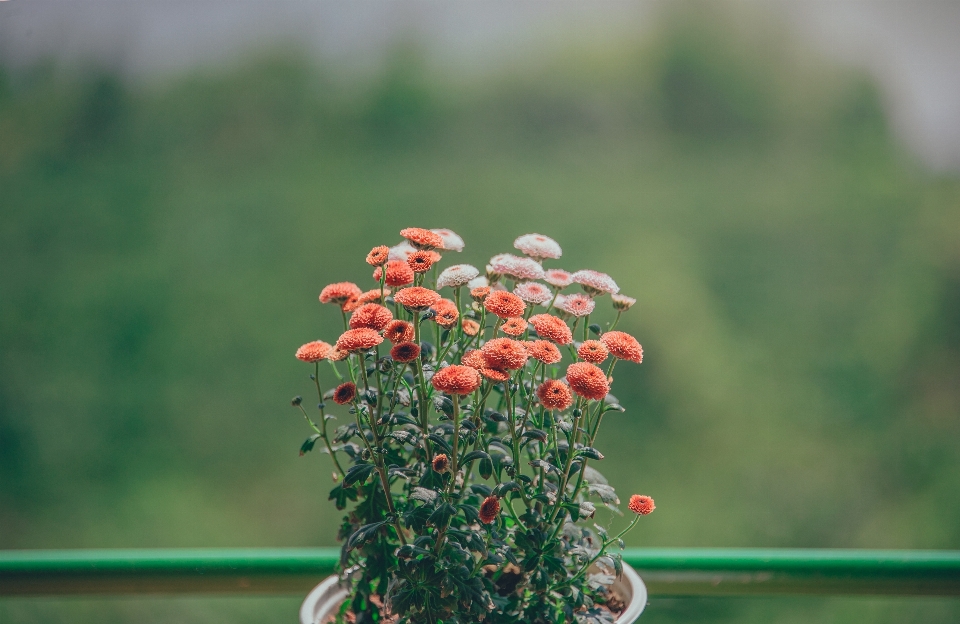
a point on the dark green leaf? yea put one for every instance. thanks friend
(358, 473)
(307, 446)
(472, 455)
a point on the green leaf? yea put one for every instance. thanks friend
(472, 455)
(486, 468)
(307, 446)
(364, 534)
(590, 453)
(439, 441)
(358, 473)
(505, 487)
(442, 514)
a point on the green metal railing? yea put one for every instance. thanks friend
(667, 571)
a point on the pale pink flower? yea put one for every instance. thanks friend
(577, 304)
(622, 302)
(477, 282)
(558, 278)
(451, 240)
(538, 246)
(516, 267)
(533, 292)
(595, 282)
(402, 251)
(457, 275)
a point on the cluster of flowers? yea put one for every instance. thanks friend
(442, 422)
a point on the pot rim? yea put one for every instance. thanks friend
(327, 596)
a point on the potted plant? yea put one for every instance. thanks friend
(464, 447)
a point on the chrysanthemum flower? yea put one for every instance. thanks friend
(405, 352)
(505, 354)
(421, 261)
(398, 331)
(421, 238)
(489, 509)
(336, 355)
(456, 275)
(361, 339)
(504, 304)
(576, 304)
(474, 359)
(372, 315)
(401, 251)
(345, 393)
(641, 505)
(622, 303)
(417, 297)
(588, 380)
(544, 351)
(399, 273)
(595, 282)
(516, 267)
(378, 255)
(479, 293)
(495, 374)
(551, 328)
(558, 278)
(338, 293)
(471, 327)
(533, 292)
(623, 346)
(592, 351)
(554, 394)
(456, 379)
(514, 326)
(313, 351)
(441, 463)
(478, 282)
(445, 313)
(451, 241)
(538, 246)
(363, 298)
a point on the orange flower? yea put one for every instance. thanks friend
(405, 352)
(398, 331)
(378, 255)
(372, 315)
(623, 346)
(313, 351)
(514, 326)
(441, 463)
(505, 354)
(345, 393)
(445, 313)
(495, 374)
(421, 238)
(417, 297)
(588, 380)
(504, 304)
(456, 379)
(399, 273)
(336, 355)
(474, 359)
(552, 328)
(471, 327)
(365, 297)
(361, 339)
(489, 509)
(641, 505)
(592, 351)
(480, 292)
(421, 261)
(542, 350)
(554, 394)
(338, 293)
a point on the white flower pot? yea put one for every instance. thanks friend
(323, 601)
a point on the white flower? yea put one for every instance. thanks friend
(538, 246)
(622, 302)
(516, 267)
(596, 282)
(402, 251)
(478, 282)
(533, 292)
(451, 240)
(457, 275)
(577, 304)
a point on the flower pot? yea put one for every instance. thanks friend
(322, 602)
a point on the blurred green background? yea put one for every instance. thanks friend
(798, 278)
